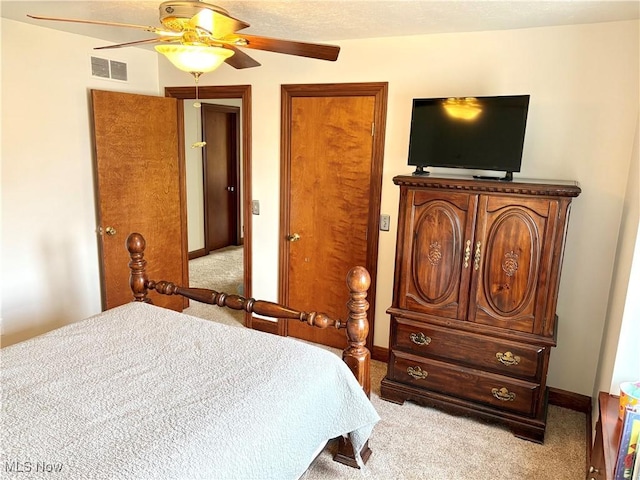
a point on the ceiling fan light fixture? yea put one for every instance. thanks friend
(195, 58)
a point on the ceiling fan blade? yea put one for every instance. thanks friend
(289, 47)
(129, 44)
(110, 24)
(215, 23)
(240, 59)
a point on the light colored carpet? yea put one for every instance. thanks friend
(222, 271)
(412, 442)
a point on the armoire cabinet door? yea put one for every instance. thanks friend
(437, 257)
(509, 265)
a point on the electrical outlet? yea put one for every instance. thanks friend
(255, 207)
(384, 222)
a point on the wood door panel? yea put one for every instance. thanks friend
(438, 249)
(138, 189)
(220, 163)
(331, 161)
(506, 293)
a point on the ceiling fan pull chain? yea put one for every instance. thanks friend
(197, 104)
(196, 75)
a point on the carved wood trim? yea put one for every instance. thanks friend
(466, 184)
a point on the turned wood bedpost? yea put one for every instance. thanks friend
(137, 266)
(357, 355)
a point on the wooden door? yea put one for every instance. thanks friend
(509, 284)
(221, 189)
(437, 252)
(330, 207)
(138, 189)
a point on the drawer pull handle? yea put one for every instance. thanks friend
(508, 358)
(417, 373)
(503, 394)
(420, 338)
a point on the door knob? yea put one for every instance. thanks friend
(294, 237)
(110, 231)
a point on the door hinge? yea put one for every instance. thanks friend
(373, 129)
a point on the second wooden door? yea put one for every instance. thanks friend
(330, 208)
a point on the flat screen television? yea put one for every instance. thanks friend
(476, 133)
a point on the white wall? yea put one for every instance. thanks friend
(583, 82)
(193, 173)
(49, 246)
(620, 355)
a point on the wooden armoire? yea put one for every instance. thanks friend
(473, 317)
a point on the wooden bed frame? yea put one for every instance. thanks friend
(356, 355)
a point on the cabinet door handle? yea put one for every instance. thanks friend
(476, 258)
(467, 254)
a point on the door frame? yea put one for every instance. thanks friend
(379, 90)
(242, 92)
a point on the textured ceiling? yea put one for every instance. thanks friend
(308, 20)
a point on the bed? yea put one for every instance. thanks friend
(143, 392)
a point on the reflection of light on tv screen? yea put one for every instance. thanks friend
(466, 108)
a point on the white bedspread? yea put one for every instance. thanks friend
(141, 392)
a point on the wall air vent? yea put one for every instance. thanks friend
(104, 68)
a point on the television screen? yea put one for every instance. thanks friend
(481, 133)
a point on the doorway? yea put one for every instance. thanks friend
(243, 93)
(331, 182)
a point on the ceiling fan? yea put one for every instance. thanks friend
(197, 29)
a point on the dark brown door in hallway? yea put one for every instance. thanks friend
(220, 125)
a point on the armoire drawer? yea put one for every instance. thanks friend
(477, 351)
(502, 392)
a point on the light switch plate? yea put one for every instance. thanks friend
(255, 207)
(384, 222)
